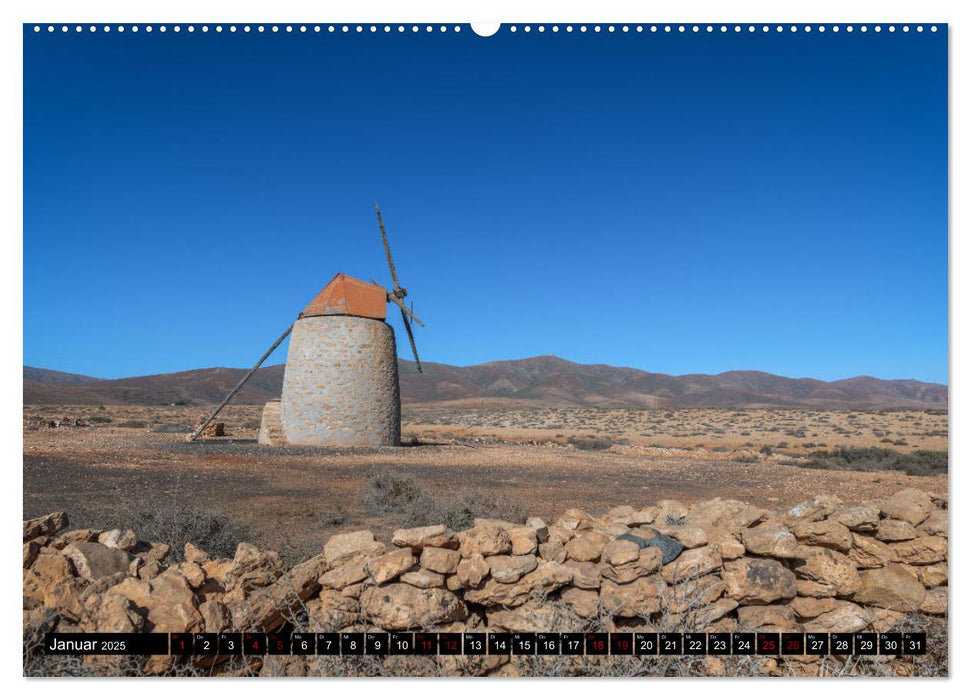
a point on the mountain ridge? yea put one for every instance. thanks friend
(541, 381)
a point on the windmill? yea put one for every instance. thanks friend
(340, 385)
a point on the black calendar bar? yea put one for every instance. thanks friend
(494, 643)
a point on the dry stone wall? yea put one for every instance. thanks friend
(716, 566)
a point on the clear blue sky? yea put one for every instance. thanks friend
(679, 203)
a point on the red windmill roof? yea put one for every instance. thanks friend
(347, 296)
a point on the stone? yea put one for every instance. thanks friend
(695, 593)
(93, 560)
(150, 569)
(586, 547)
(509, 569)
(644, 516)
(575, 519)
(824, 533)
(341, 548)
(546, 578)
(390, 566)
(354, 571)
(399, 606)
(670, 511)
(926, 549)
(429, 536)
(169, 602)
(688, 536)
(935, 602)
(423, 578)
(870, 553)
(728, 515)
(586, 574)
(831, 568)
(812, 607)
(194, 554)
(817, 508)
(910, 505)
(523, 540)
(192, 572)
(444, 561)
(758, 581)
(844, 617)
(332, 611)
(215, 616)
(66, 538)
(771, 617)
(892, 587)
(670, 548)
(486, 540)
(703, 617)
(648, 562)
(583, 602)
(771, 539)
(933, 575)
(116, 614)
(253, 568)
(618, 552)
(264, 610)
(640, 598)
(31, 551)
(858, 518)
(935, 524)
(472, 570)
(812, 589)
(692, 563)
(895, 531)
(530, 617)
(727, 544)
(118, 539)
(47, 525)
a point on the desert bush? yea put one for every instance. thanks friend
(590, 443)
(871, 459)
(392, 493)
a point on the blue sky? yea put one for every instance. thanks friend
(679, 203)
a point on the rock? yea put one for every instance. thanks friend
(398, 606)
(935, 524)
(523, 540)
(118, 539)
(100, 587)
(472, 570)
(729, 515)
(149, 569)
(892, 587)
(726, 544)
(695, 593)
(341, 548)
(926, 549)
(423, 578)
(487, 541)
(644, 516)
(895, 531)
(771, 540)
(844, 617)
(618, 552)
(935, 602)
(648, 562)
(910, 505)
(670, 512)
(933, 575)
(758, 581)
(215, 616)
(444, 561)
(692, 563)
(546, 578)
(586, 547)
(830, 568)
(93, 560)
(870, 553)
(640, 598)
(47, 525)
(687, 536)
(670, 548)
(192, 572)
(509, 569)
(818, 508)
(354, 571)
(812, 607)
(194, 554)
(428, 536)
(388, 567)
(824, 533)
(332, 611)
(858, 518)
(583, 602)
(530, 617)
(767, 617)
(158, 551)
(586, 574)
(703, 617)
(812, 589)
(266, 609)
(66, 538)
(168, 600)
(116, 614)
(31, 550)
(253, 568)
(575, 519)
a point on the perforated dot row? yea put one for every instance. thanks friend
(428, 28)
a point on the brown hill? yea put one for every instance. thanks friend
(537, 381)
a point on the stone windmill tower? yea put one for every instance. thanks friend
(340, 385)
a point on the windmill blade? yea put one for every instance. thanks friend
(395, 300)
(387, 250)
(411, 339)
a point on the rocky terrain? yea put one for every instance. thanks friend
(715, 565)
